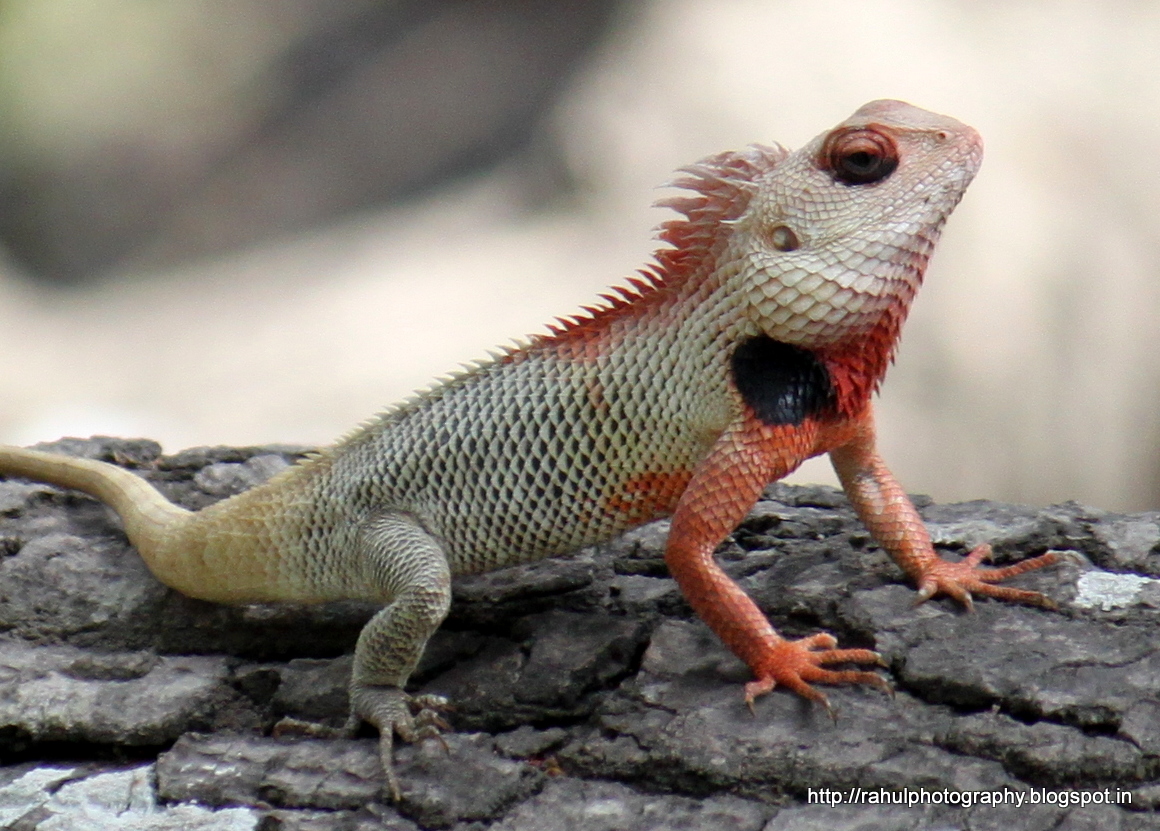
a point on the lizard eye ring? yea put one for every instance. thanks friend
(858, 156)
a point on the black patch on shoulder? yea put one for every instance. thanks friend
(783, 384)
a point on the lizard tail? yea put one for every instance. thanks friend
(149, 518)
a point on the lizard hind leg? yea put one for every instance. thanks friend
(410, 567)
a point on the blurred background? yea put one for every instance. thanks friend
(247, 221)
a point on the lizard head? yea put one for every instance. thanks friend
(822, 248)
(833, 241)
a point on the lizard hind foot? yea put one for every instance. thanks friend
(393, 712)
(793, 664)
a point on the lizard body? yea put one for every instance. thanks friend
(756, 341)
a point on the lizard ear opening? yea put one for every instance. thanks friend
(783, 238)
(858, 156)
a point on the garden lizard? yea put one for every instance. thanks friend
(754, 341)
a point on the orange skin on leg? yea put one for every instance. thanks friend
(723, 489)
(728, 483)
(887, 511)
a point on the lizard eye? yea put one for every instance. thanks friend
(858, 156)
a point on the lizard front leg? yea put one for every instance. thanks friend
(723, 488)
(891, 517)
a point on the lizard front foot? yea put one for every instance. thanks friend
(962, 579)
(794, 663)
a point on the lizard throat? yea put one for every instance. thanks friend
(820, 305)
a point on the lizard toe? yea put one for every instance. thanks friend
(289, 726)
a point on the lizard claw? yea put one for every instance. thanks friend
(962, 579)
(793, 664)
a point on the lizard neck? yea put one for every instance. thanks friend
(848, 315)
(857, 366)
(721, 188)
